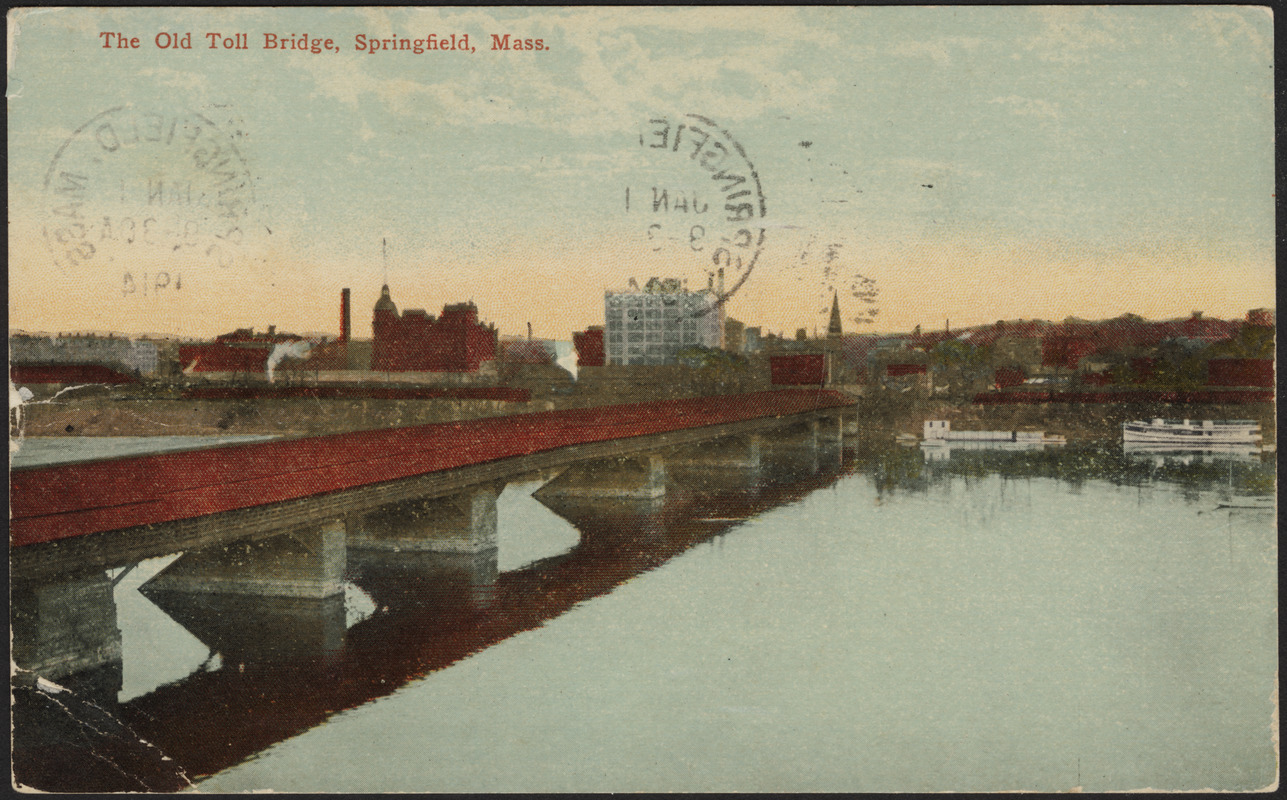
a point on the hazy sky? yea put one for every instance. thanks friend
(975, 163)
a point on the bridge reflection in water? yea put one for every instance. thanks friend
(269, 603)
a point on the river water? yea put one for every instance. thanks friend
(872, 620)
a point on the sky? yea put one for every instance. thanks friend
(947, 164)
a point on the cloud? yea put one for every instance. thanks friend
(928, 167)
(934, 50)
(576, 165)
(599, 77)
(1231, 27)
(938, 49)
(194, 82)
(1028, 106)
(1074, 35)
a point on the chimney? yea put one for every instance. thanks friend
(345, 329)
(272, 329)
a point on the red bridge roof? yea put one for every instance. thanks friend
(61, 501)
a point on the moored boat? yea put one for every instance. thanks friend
(939, 433)
(1192, 433)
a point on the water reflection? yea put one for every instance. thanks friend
(1226, 473)
(528, 531)
(244, 629)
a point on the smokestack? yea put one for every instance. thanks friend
(721, 281)
(529, 331)
(345, 328)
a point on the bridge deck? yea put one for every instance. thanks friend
(63, 501)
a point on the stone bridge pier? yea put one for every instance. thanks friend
(818, 431)
(427, 545)
(732, 462)
(64, 629)
(732, 452)
(460, 523)
(261, 599)
(303, 562)
(807, 445)
(639, 477)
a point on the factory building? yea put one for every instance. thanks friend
(415, 341)
(653, 324)
(242, 351)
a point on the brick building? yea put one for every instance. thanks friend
(415, 341)
(1250, 372)
(243, 350)
(589, 346)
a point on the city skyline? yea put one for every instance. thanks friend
(976, 164)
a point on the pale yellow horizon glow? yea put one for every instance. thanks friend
(559, 288)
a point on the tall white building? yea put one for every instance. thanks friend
(651, 325)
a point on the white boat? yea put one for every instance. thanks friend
(939, 433)
(1195, 434)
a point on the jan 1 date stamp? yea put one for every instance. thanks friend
(702, 202)
(136, 185)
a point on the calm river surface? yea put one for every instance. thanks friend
(877, 621)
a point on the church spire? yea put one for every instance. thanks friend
(833, 328)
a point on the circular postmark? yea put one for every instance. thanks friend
(702, 206)
(134, 186)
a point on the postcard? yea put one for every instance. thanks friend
(865, 399)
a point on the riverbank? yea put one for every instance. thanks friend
(880, 414)
(109, 416)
